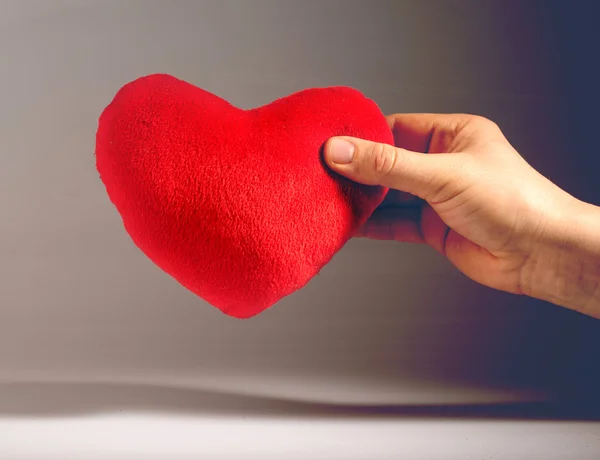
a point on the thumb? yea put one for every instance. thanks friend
(427, 176)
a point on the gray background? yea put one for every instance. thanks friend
(385, 323)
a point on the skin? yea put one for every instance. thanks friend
(476, 200)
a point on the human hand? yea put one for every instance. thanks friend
(473, 198)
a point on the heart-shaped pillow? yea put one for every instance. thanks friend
(237, 205)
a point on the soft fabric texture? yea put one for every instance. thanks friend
(237, 205)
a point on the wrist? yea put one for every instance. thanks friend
(564, 268)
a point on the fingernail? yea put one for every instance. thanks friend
(341, 151)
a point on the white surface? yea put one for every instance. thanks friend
(134, 437)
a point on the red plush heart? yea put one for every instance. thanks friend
(237, 205)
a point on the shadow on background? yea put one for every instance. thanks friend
(61, 400)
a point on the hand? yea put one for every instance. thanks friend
(473, 198)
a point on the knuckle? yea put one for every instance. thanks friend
(482, 123)
(383, 158)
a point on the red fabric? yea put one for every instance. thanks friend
(236, 205)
